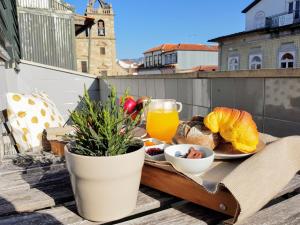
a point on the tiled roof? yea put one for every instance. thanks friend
(259, 31)
(183, 47)
(205, 68)
(254, 3)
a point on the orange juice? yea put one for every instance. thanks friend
(162, 124)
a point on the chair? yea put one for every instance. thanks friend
(8, 144)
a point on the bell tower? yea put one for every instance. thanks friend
(96, 47)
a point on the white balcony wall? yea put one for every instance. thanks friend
(189, 59)
(62, 86)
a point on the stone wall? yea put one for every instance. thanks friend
(271, 96)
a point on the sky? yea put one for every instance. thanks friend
(143, 24)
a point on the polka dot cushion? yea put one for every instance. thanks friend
(29, 115)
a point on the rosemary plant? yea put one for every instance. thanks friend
(103, 128)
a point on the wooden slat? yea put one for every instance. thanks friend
(148, 199)
(34, 199)
(186, 214)
(24, 182)
(7, 167)
(283, 213)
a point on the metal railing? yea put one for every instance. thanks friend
(283, 19)
(44, 4)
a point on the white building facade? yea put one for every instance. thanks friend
(266, 13)
(174, 58)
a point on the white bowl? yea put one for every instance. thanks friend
(190, 166)
(157, 144)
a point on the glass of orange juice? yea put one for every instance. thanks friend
(163, 118)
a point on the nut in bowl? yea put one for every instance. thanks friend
(190, 159)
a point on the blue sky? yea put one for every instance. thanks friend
(142, 24)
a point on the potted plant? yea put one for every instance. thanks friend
(104, 160)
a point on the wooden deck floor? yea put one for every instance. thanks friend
(43, 195)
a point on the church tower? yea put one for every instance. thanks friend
(95, 46)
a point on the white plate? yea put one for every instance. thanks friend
(219, 155)
(222, 155)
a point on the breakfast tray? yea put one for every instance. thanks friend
(166, 179)
(163, 177)
(238, 188)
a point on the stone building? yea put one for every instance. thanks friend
(96, 44)
(271, 38)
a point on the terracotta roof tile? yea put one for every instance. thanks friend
(183, 47)
(205, 68)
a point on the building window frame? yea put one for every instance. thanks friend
(101, 28)
(260, 19)
(103, 73)
(255, 61)
(84, 67)
(174, 58)
(155, 60)
(159, 59)
(233, 63)
(150, 61)
(102, 51)
(287, 59)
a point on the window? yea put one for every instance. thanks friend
(150, 61)
(294, 7)
(233, 63)
(174, 58)
(155, 60)
(84, 66)
(260, 19)
(159, 60)
(103, 73)
(287, 60)
(291, 7)
(297, 9)
(101, 28)
(168, 59)
(102, 51)
(255, 62)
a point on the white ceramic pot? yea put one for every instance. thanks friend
(105, 188)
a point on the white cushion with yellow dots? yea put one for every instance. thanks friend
(29, 115)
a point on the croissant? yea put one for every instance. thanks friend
(235, 126)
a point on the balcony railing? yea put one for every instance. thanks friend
(44, 4)
(283, 19)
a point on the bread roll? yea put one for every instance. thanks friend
(235, 126)
(194, 132)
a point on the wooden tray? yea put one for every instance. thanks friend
(182, 187)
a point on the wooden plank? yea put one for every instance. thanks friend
(173, 184)
(286, 212)
(23, 182)
(59, 215)
(186, 214)
(34, 199)
(8, 167)
(148, 199)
